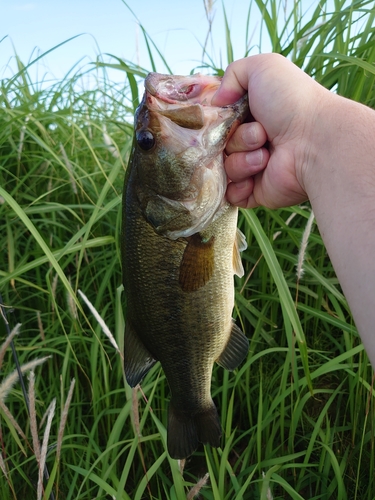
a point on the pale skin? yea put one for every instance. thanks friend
(321, 147)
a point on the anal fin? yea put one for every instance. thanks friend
(137, 359)
(235, 351)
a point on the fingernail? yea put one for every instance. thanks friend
(254, 158)
(250, 136)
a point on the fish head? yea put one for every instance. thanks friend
(178, 152)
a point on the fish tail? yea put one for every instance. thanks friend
(185, 432)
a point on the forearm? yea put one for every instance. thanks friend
(340, 183)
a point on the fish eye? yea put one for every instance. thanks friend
(145, 139)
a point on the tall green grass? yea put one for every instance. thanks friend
(297, 416)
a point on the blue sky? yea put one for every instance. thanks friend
(107, 26)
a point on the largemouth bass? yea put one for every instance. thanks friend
(181, 248)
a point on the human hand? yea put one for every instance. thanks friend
(285, 104)
(319, 146)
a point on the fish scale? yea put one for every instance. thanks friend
(179, 289)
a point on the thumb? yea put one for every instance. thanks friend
(234, 83)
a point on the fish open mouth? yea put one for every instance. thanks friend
(186, 100)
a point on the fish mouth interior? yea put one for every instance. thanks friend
(195, 89)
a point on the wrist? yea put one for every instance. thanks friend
(337, 153)
(319, 139)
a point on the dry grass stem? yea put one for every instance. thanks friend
(101, 322)
(63, 420)
(301, 42)
(302, 251)
(43, 454)
(109, 143)
(269, 495)
(12, 378)
(22, 138)
(33, 423)
(2, 313)
(194, 491)
(135, 411)
(181, 465)
(40, 326)
(8, 340)
(274, 237)
(287, 222)
(209, 9)
(88, 123)
(2, 466)
(210, 14)
(12, 420)
(249, 274)
(71, 304)
(43, 419)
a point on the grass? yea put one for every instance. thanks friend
(63, 154)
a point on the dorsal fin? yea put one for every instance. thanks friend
(239, 246)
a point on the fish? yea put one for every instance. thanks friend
(180, 250)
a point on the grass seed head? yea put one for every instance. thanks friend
(303, 248)
(194, 491)
(8, 340)
(12, 378)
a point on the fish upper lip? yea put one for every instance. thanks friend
(152, 83)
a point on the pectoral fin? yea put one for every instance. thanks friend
(137, 359)
(235, 351)
(197, 263)
(239, 246)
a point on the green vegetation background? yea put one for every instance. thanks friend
(297, 416)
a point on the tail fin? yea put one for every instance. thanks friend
(185, 432)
